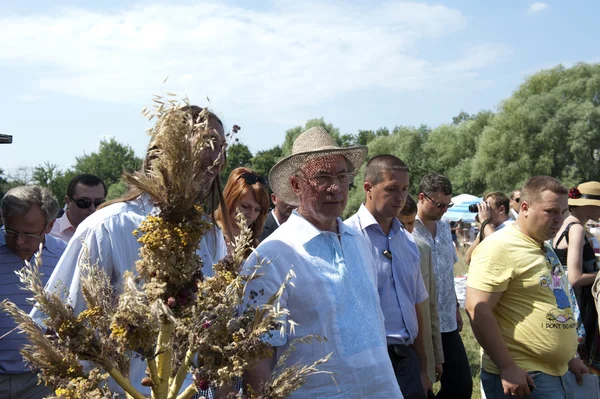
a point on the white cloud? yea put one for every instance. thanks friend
(295, 53)
(536, 7)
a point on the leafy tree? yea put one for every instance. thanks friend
(238, 155)
(3, 184)
(22, 176)
(263, 161)
(109, 162)
(116, 190)
(450, 150)
(364, 137)
(49, 175)
(550, 126)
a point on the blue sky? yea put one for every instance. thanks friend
(75, 72)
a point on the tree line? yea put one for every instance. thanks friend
(550, 125)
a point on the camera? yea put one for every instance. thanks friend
(473, 208)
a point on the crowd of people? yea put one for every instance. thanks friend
(379, 285)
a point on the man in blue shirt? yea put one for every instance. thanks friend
(29, 213)
(397, 263)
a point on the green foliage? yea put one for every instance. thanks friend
(238, 155)
(49, 175)
(116, 190)
(550, 126)
(109, 162)
(263, 161)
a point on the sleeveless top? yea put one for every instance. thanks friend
(585, 299)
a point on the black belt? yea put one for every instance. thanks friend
(399, 350)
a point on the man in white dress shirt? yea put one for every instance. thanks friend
(334, 293)
(85, 193)
(108, 238)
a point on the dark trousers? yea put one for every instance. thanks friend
(456, 379)
(407, 369)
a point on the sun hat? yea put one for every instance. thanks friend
(313, 143)
(587, 193)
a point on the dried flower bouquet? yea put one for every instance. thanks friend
(168, 314)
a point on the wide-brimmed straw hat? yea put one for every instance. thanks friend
(587, 193)
(313, 143)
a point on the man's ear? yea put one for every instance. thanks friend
(273, 198)
(49, 228)
(421, 197)
(67, 200)
(295, 182)
(524, 207)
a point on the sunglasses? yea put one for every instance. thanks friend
(517, 200)
(251, 179)
(85, 203)
(439, 205)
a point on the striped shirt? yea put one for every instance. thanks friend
(11, 361)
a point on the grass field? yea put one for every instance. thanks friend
(471, 345)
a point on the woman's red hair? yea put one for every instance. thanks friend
(235, 189)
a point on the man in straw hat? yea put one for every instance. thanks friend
(334, 294)
(518, 302)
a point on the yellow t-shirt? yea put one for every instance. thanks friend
(534, 312)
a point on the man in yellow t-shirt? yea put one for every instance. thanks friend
(518, 302)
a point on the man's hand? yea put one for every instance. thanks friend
(426, 382)
(484, 211)
(516, 381)
(459, 320)
(439, 370)
(578, 367)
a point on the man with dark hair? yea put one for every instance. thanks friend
(85, 193)
(432, 339)
(399, 281)
(279, 214)
(515, 197)
(28, 212)
(435, 193)
(518, 302)
(492, 216)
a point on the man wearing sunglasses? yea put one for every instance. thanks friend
(28, 212)
(85, 193)
(515, 198)
(435, 193)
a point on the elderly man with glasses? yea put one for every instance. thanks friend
(334, 292)
(29, 213)
(435, 192)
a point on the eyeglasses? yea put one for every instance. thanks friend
(251, 179)
(439, 205)
(517, 200)
(8, 233)
(343, 179)
(85, 203)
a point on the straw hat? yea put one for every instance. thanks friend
(587, 193)
(313, 143)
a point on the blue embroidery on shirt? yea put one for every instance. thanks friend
(354, 294)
